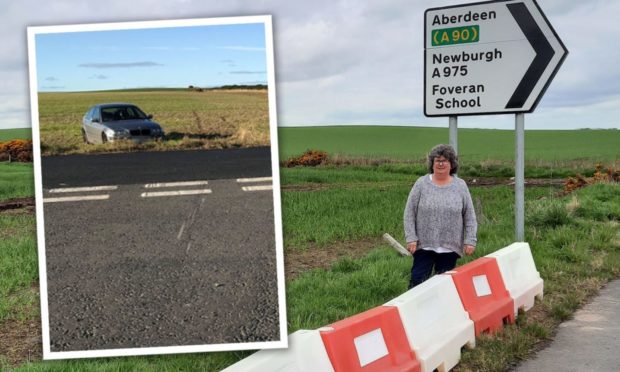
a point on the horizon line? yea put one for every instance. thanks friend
(115, 89)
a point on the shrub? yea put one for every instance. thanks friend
(17, 150)
(608, 175)
(310, 158)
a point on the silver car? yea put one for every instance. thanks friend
(119, 121)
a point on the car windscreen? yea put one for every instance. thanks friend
(117, 113)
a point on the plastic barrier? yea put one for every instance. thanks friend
(435, 322)
(374, 340)
(483, 294)
(305, 353)
(520, 275)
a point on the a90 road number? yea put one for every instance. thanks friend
(456, 35)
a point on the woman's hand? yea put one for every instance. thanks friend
(469, 249)
(411, 247)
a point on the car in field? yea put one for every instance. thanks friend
(119, 121)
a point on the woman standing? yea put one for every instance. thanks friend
(440, 222)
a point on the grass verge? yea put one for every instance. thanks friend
(16, 180)
(575, 242)
(347, 170)
(343, 213)
(18, 265)
(576, 249)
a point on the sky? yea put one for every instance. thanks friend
(341, 62)
(170, 57)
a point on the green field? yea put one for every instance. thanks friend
(575, 239)
(15, 133)
(210, 119)
(575, 242)
(16, 180)
(475, 145)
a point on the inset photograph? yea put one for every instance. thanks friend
(157, 187)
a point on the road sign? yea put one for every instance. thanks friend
(494, 57)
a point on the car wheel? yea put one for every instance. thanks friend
(104, 138)
(84, 137)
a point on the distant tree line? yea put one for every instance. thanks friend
(230, 87)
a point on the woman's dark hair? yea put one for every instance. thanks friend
(447, 152)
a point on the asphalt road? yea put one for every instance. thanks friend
(143, 167)
(148, 266)
(588, 342)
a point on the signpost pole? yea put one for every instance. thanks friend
(454, 139)
(519, 177)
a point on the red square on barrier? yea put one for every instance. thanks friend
(374, 340)
(484, 295)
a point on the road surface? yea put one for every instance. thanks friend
(160, 249)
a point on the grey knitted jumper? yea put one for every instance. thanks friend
(440, 216)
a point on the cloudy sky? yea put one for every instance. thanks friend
(349, 62)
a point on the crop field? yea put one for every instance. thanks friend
(209, 119)
(475, 145)
(16, 133)
(345, 207)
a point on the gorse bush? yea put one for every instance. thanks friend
(310, 158)
(16, 150)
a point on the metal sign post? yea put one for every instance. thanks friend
(493, 57)
(454, 139)
(519, 177)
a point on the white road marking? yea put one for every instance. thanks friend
(188, 246)
(76, 198)
(190, 219)
(175, 184)
(174, 193)
(257, 188)
(181, 231)
(83, 189)
(258, 179)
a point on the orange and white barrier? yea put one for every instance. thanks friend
(520, 275)
(435, 322)
(305, 353)
(484, 295)
(420, 330)
(374, 340)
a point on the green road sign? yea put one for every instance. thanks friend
(456, 35)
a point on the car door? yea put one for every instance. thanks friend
(86, 124)
(96, 127)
